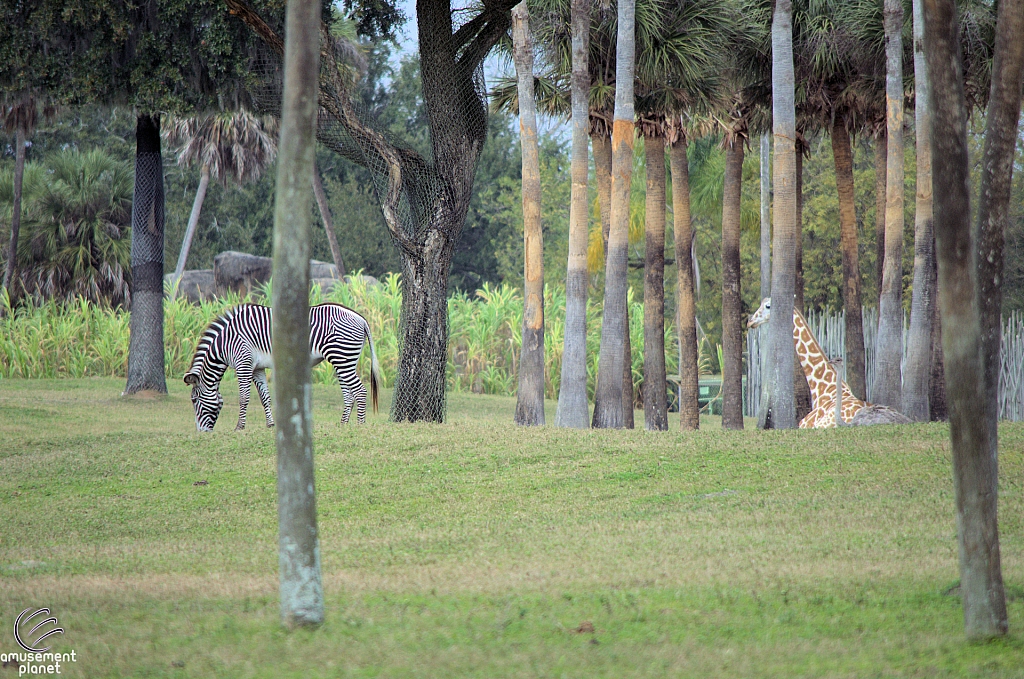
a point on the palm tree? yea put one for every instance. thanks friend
(19, 117)
(922, 308)
(572, 394)
(689, 409)
(887, 387)
(76, 243)
(228, 145)
(966, 309)
(780, 328)
(530, 395)
(732, 311)
(655, 384)
(608, 409)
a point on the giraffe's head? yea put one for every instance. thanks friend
(763, 313)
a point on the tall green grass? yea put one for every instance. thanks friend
(82, 339)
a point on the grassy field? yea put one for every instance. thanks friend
(480, 549)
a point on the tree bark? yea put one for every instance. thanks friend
(842, 153)
(887, 387)
(689, 408)
(881, 157)
(975, 467)
(798, 295)
(302, 599)
(782, 404)
(530, 395)
(766, 224)
(19, 176)
(937, 381)
(573, 410)
(328, 221)
(146, 341)
(916, 377)
(608, 410)
(193, 221)
(655, 386)
(995, 194)
(603, 174)
(732, 316)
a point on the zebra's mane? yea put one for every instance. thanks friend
(212, 332)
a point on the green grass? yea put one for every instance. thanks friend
(478, 548)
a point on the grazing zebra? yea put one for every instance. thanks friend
(240, 339)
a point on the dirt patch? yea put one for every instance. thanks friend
(145, 396)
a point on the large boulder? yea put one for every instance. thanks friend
(195, 286)
(242, 273)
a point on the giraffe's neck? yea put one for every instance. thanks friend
(821, 377)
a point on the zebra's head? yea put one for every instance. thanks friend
(206, 402)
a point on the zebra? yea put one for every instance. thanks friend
(240, 338)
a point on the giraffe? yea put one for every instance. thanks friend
(821, 376)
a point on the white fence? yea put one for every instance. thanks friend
(830, 330)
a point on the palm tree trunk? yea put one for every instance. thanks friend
(766, 224)
(798, 298)
(801, 388)
(842, 153)
(732, 316)
(328, 221)
(919, 343)
(782, 406)
(608, 411)
(603, 172)
(887, 388)
(302, 599)
(193, 220)
(937, 381)
(572, 394)
(689, 408)
(881, 157)
(655, 387)
(995, 194)
(19, 176)
(975, 468)
(146, 343)
(530, 395)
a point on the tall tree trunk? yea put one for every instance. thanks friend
(328, 222)
(975, 466)
(603, 174)
(302, 598)
(782, 404)
(530, 395)
(887, 387)
(995, 194)
(732, 312)
(798, 295)
(881, 157)
(572, 394)
(655, 387)
(801, 389)
(628, 393)
(917, 375)
(146, 342)
(937, 381)
(19, 176)
(766, 216)
(608, 411)
(193, 221)
(842, 153)
(689, 408)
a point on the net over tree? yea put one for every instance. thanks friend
(424, 197)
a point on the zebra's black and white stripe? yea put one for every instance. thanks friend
(240, 339)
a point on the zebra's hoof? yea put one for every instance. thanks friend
(240, 428)
(270, 425)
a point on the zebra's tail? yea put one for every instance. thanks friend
(374, 368)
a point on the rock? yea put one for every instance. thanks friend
(195, 286)
(240, 272)
(369, 281)
(326, 284)
(318, 269)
